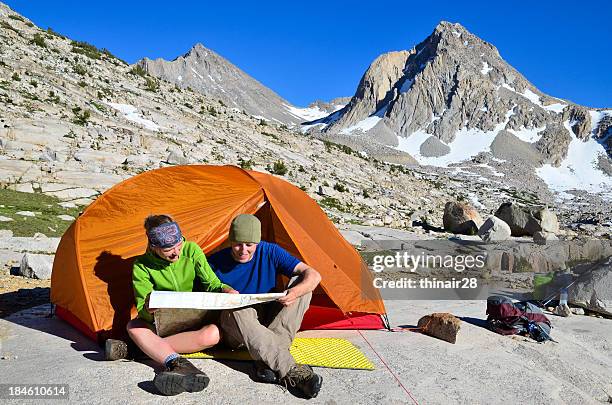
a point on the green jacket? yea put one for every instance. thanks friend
(151, 272)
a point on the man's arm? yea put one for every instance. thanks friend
(310, 279)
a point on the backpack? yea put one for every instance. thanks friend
(511, 318)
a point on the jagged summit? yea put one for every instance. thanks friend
(207, 72)
(453, 97)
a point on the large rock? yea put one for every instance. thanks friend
(527, 221)
(461, 218)
(442, 325)
(594, 291)
(494, 230)
(177, 158)
(36, 266)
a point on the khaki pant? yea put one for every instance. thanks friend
(266, 330)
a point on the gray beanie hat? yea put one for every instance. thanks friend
(245, 228)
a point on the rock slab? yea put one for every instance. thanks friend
(594, 292)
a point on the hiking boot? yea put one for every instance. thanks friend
(265, 374)
(115, 349)
(304, 380)
(180, 376)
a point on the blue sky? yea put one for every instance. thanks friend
(319, 49)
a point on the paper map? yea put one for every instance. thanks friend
(206, 300)
(181, 311)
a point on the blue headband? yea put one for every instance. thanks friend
(165, 235)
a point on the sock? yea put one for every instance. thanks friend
(170, 358)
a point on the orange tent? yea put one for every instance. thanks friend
(91, 281)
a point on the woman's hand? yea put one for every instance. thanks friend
(146, 305)
(229, 290)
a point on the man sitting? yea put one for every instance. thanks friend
(250, 266)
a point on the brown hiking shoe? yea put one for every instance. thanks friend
(115, 349)
(180, 376)
(302, 379)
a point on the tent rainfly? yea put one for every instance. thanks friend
(91, 283)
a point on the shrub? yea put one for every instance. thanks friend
(55, 34)
(212, 111)
(245, 164)
(82, 83)
(98, 106)
(151, 85)
(16, 77)
(278, 168)
(81, 116)
(340, 187)
(79, 69)
(53, 97)
(263, 122)
(38, 40)
(8, 26)
(138, 71)
(33, 83)
(83, 48)
(16, 17)
(365, 193)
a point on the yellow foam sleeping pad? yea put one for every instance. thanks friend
(318, 352)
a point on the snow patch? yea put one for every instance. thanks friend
(531, 96)
(368, 123)
(556, 107)
(180, 78)
(308, 113)
(130, 113)
(467, 144)
(530, 135)
(485, 68)
(579, 170)
(597, 116)
(196, 73)
(507, 86)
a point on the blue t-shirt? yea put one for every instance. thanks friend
(258, 275)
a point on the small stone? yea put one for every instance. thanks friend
(5, 219)
(26, 213)
(66, 217)
(577, 311)
(443, 326)
(562, 310)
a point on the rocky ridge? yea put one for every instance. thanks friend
(207, 72)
